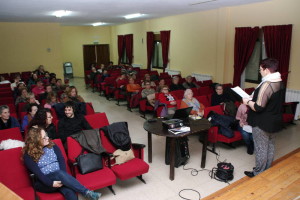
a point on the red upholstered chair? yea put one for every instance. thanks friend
(164, 75)
(6, 100)
(206, 90)
(12, 108)
(213, 133)
(14, 174)
(204, 100)
(120, 93)
(11, 133)
(145, 107)
(178, 93)
(13, 75)
(108, 86)
(133, 168)
(97, 120)
(86, 77)
(195, 92)
(6, 76)
(89, 108)
(6, 93)
(207, 83)
(94, 180)
(56, 195)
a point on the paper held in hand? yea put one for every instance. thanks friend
(240, 92)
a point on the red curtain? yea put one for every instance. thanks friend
(129, 47)
(245, 38)
(165, 43)
(120, 47)
(278, 46)
(150, 48)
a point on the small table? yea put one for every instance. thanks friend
(197, 126)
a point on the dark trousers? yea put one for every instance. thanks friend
(70, 185)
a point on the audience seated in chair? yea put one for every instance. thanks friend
(161, 84)
(147, 77)
(218, 97)
(166, 98)
(22, 97)
(188, 84)
(32, 109)
(148, 93)
(44, 159)
(39, 88)
(132, 87)
(175, 84)
(71, 123)
(72, 95)
(190, 101)
(51, 100)
(48, 89)
(43, 119)
(7, 121)
(30, 100)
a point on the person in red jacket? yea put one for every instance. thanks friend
(167, 98)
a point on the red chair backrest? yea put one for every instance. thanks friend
(108, 146)
(97, 120)
(204, 90)
(12, 107)
(195, 92)
(217, 109)
(227, 85)
(178, 94)
(249, 90)
(13, 172)
(11, 133)
(204, 100)
(89, 108)
(207, 82)
(61, 147)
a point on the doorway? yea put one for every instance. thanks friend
(98, 54)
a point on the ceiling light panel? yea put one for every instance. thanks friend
(62, 13)
(131, 16)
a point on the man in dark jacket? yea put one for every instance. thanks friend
(71, 123)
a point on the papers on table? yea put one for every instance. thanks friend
(240, 92)
(178, 130)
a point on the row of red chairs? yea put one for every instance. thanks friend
(106, 177)
(25, 76)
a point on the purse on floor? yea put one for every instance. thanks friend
(89, 162)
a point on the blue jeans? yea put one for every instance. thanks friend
(247, 137)
(70, 184)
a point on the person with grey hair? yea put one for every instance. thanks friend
(190, 101)
(188, 84)
(7, 121)
(218, 97)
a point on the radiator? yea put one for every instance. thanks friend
(137, 65)
(172, 72)
(293, 95)
(202, 77)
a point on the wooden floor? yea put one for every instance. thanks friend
(280, 182)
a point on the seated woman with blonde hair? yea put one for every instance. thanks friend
(44, 159)
(189, 101)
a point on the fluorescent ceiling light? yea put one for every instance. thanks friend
(98, 24)
(136, 15)
(61, 13)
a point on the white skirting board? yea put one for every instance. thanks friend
(202, 77)
(172, 72)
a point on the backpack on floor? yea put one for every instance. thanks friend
(223, 172)
(182, 153)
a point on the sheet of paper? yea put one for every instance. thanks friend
(240, 92)
(178, 130)
(247, 128)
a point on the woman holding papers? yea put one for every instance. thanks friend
(265, 115)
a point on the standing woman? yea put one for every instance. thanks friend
(265, 114)
(44, 159)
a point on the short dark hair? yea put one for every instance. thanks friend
(270, 63)
(70, 104)
(32, 105)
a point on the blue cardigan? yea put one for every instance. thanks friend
(33, 166)
(12, 123)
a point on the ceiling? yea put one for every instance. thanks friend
(86, 12)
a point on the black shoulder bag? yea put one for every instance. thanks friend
(89, 162)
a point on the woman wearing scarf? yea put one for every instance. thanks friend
(265, 114)
(190, 101)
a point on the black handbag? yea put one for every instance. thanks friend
(89, 162)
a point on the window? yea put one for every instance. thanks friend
(252, 74)
(157, 61)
